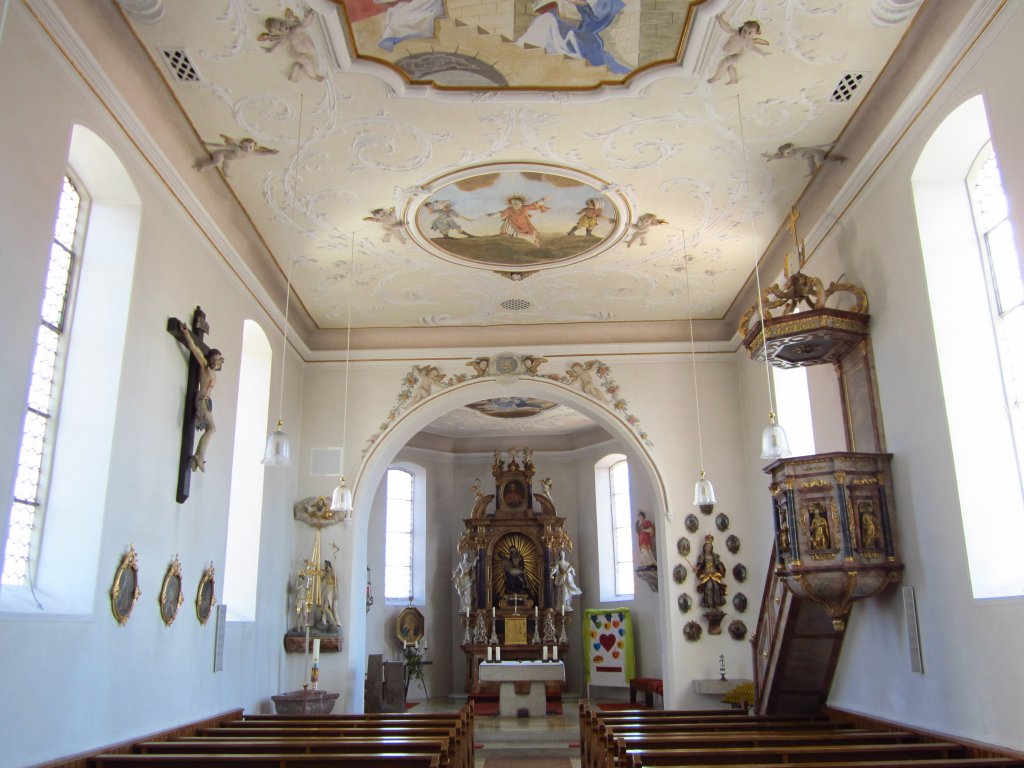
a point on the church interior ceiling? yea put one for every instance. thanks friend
(440, 165)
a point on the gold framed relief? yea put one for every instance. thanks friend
(515, 630)
(124, 592)
(170, 593)
(205, 597)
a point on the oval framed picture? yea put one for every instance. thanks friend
(685, 602)
(739, 572)
(170, 593)
(683, 545)
(124, 592)
(679, 574)
(722, 521)
(732, 543)
(205, 598)
(692, 523)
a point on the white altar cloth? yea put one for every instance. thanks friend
(508, 673)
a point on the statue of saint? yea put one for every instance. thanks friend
(462, 580)
(515, 572)
(563, 575)
(710, 571)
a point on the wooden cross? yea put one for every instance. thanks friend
(188, 425)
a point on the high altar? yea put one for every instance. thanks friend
(511, 549)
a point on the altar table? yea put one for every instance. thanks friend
(531, 673)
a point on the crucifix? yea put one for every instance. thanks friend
(203, 364)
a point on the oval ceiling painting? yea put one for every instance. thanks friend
(516, 219)
(511, 407)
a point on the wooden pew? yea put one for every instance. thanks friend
(816, 754)
(266, 760)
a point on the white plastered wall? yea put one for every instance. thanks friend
(973, 683)
(117, 682)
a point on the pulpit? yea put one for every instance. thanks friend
(513, 539)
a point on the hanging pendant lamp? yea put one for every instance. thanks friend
(341, 499)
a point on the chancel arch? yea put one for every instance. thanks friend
(382, 454)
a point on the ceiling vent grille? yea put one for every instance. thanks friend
(515, 305)
(181, 65)
(847, 84)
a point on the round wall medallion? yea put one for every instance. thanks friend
(739, 572)
(692, 523)
(722, 521)
(737, 630)
(679, 574)
(732, 543)
(739, 602)
(683, 545)
(692, 631)
(685, 603)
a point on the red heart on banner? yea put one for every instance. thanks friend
(608, 641)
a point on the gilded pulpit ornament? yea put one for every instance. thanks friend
(818, 334)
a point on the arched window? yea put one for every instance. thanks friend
(245, 507)
(405, 534)
(974, 288)
(40, 426)
(614, 527)
(59, 574)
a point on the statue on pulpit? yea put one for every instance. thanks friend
(515, 572)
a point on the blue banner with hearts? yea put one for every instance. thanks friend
(608, 647)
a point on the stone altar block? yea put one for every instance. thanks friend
(508, 673)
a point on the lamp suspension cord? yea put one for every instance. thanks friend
(288, 280)
(348, 341)
(753, 252)
(693, 353)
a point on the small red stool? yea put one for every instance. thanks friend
(649, 685)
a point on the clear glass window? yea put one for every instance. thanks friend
(398, 543)
(622, 530)
(39, 428)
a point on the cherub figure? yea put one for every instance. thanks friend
(292, 30)
(429, 376)
(815, 157)
(641, 227)
(389, 222)
(209, 364)
(222, 154)
(590, 216)
(480, 365)
(740, 41)
(445, 221)
(580, 372)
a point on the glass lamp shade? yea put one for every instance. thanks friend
(704, 495)
(341, 499)
(774, 443)
(278, 452)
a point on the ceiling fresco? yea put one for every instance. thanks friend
(692, 140)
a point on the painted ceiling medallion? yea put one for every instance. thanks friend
(511, 407)
(540, 44)
(512, 217)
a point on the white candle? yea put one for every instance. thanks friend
(405, 645)
(563, 610)
(497, 653)
(492, 611)
(554, 650)
(316, 651)
(545, 657)
(490, 653)
(535, 611)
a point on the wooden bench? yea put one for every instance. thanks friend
(649, 686)
(266, 760)
(816, 754)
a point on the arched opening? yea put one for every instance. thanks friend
(400, 443)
